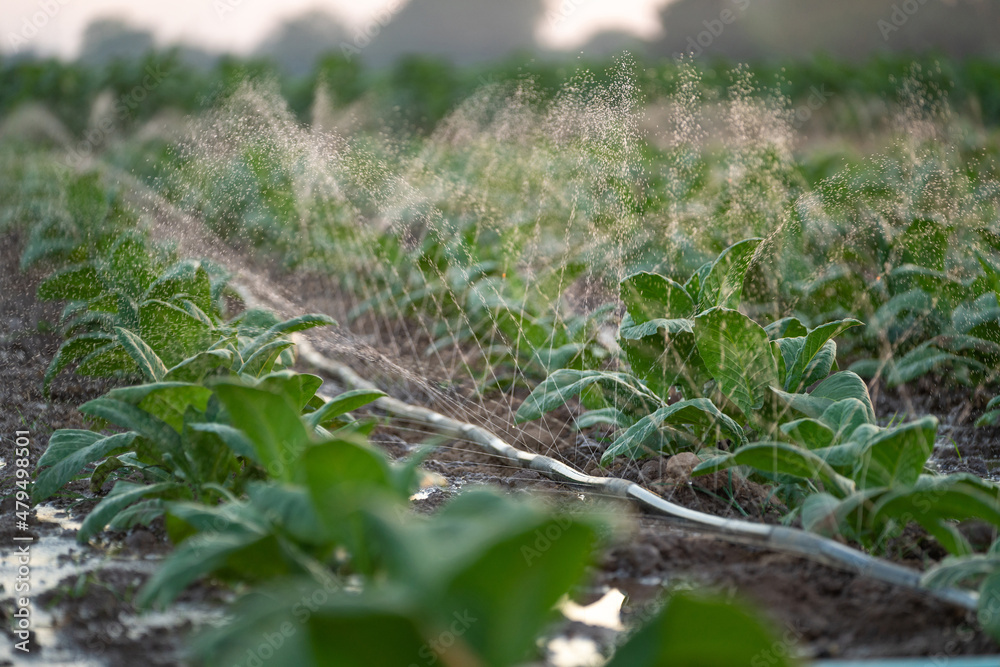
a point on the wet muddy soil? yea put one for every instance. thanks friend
(80, 607)
(83, 594)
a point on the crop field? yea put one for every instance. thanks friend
(627, 363)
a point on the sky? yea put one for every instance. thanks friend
(54, 27)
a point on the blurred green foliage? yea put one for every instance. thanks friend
(423, 90)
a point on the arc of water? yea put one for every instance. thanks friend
(776, 538)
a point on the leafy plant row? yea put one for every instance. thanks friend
(262, 482)
(705, 377)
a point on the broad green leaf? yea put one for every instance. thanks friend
(347, 630)
(968, 318)
(172, 332)
(897, 456)
(185, 519)
(77, 283)
(790, 349)
(187, 278)
(819, 367)
(73, 350)
(649, 296)
(954, 571)
(665, 356)
(344, 477)
(149, 364)
(271, 423)
(292, 508)
(961, 344)
(843, 457)
(919, 362)
(127, 312)
(198, 556)
(162, 435)
(779, 361)
(697, 279)
(989, 605)
(810, 365)
(723, 286)
(696, 631)
(64, 442)
(342, 404)
(949, 536)
(700, 414)
(108, 360)
(811, 433)
(263, 359)
(844, 417)
(301, 323)
(991, 416)
(141, 513)
(90, 321)
(611, 416)
(192, 309)
(103, 471)
(234, 438)
(837, 387)
(211, 460)
(786, 327)
(737, 353)
(51, 479)
(129, 266)
(631, 331)
(121, 496)
(819, 514)
(916, 302)
(511, 587)
(845, 385)
(353, 635)
(782, 459)
(565, 384)
(168, 401)
(196, 368)
(151, 472)
(955, 497)
(300, 388)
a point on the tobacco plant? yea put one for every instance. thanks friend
(701, 372)
(337, 522)
(178, 439)
(124, 310)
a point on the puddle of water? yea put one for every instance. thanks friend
(424, 494)
(574, 652)
(56, 555)
(603, 617)
(605, 613)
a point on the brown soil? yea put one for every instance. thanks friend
(823, 611)
(90, 621)
(961, 445)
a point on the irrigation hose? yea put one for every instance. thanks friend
(776, 538)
